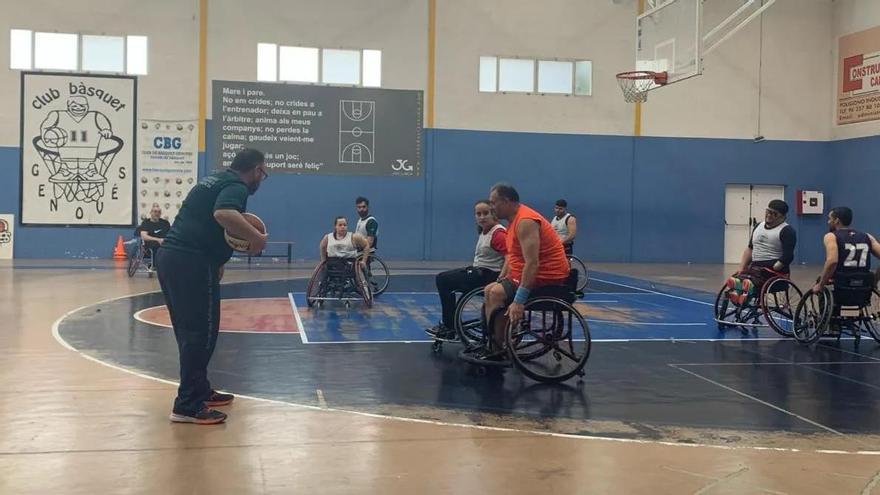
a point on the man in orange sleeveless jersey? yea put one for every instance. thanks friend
(535, 258)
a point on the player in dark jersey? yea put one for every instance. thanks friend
(846, 250)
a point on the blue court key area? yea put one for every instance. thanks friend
(616, 308)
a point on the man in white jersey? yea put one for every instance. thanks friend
(565, 225)
(771, 249)
(367, 225)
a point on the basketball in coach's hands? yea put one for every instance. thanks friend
(242, 245)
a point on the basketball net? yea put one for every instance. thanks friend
(636, 84)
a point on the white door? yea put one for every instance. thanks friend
(737, 219)
(761, 197)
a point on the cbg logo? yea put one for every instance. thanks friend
(401, 166)
(166, 143)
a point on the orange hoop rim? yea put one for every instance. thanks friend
(639, 75)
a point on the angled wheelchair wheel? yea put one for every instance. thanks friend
(575, 263)
(812, 316)
(871, 316)
(135, 261)
(552, 342)
(363, 286)
(377, 273)
(779, 299)
(315, 289)
(469, 318)
(725, 310)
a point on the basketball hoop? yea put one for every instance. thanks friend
(635, 84)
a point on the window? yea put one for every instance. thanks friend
(516, 75)
(372, 68)
(103, 53)
(341, 67)
(136, 55)
(74, 52)
(319, 65)
(57, 51)
(555, 77)
(489, 74)
(267, 62)
(521, 75)
(583, 78)
(298, 64)
(20, 52)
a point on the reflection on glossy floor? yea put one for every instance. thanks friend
(71, 425)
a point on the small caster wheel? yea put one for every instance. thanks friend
(347, 305)
(557, 355)
(481, 371)
(437, 346)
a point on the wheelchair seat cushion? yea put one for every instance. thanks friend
(340, 266)
(564, 292)
(853, 289)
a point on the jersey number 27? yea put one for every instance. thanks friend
(863, 249)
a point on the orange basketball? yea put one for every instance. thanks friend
(242, 245)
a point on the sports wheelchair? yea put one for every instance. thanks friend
(143, 259)
(339, 279)
(550, 344)
(468, 321)
(773, 305)
(852, 304)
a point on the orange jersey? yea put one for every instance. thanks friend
(552, 261)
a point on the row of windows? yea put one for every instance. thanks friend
(128, 54)
(74, 52)
(319, 65)
(518, 75)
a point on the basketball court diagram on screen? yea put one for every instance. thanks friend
(357, 135)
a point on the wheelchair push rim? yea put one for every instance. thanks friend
(541, 349)
(469, 318)
(812, 316)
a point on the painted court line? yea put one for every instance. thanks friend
(57, 336)
(302, 329)
(646, 323)
(798, 363)
(762, 402)
(654, 292)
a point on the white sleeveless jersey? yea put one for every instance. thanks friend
(560, 225)
(83, 137)
(361, 227)
(766, 243)
(341, 248)
(484, 255)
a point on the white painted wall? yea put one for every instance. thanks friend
(797, 50)
(397, 27)
(723, 102)
(170, 89)
(597, 30)
(851, 16)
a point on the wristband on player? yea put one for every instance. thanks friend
(522, 293)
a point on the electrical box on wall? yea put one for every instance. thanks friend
(810, 202)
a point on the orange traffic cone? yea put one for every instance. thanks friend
(119, 251)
